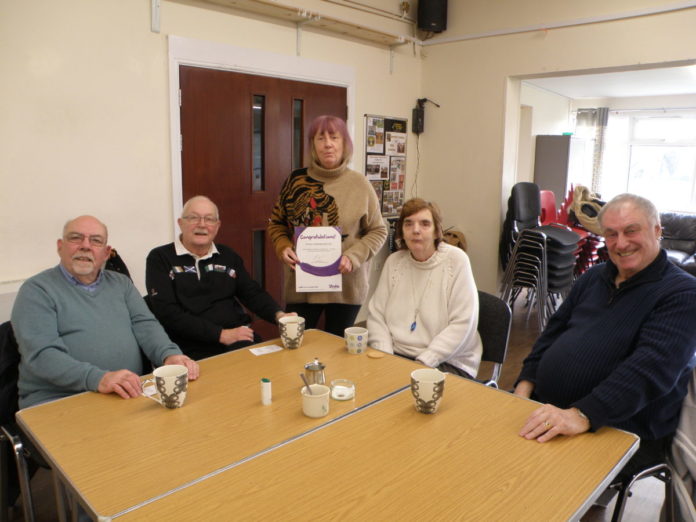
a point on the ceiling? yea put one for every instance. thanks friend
(667, 81)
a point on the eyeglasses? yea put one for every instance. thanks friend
(208, 220)
(77, 239)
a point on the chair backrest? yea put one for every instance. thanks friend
(526, 204)
(117, 264)
(9, 362)
(495, 318)
(548, 207)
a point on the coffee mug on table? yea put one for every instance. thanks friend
(427, 387)
(170, 383)
(316, 404)
(356, 339)
(291, 329)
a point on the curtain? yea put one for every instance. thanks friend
(592, 125)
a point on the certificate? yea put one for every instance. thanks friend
(319, 252)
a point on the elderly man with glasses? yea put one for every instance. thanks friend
(80, 327)
(196, 287)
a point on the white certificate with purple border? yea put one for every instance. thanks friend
(319, 252)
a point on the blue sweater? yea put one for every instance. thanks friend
(620, 355)
(69, 338)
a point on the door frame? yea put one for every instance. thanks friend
(212, 55)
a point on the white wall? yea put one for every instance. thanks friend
(85, 105)
(637, 102)
(466, 159)
(525, 145)
(85, 122)
(551, 112)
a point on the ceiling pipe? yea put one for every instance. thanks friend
(569, 23)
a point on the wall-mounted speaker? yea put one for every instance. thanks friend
(432, 15)
(418, 119)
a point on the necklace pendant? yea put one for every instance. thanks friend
(413, 325)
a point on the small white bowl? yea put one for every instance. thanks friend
(342, 389)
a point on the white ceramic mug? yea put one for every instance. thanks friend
(356, 339)
(316, 404)
(170, 383)
(291, 329)
(427, 387)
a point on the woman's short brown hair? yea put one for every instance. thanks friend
(413, 206)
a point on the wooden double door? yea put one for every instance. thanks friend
(241, 136)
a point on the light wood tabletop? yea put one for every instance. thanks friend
(116, 453)
(389, 462)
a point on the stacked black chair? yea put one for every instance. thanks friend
(538, 259)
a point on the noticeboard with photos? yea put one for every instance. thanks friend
(385, 160)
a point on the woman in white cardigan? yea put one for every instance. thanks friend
(426, 305)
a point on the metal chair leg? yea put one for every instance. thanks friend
(670, 503)
(661, 472)
(4, 481)
(620, 504)
(23, 473)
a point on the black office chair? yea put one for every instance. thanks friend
(495, 319)
(17, 476)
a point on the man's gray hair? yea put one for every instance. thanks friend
(645, 205)
(199, 198)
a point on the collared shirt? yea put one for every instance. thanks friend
(72, 279)
(181, 250)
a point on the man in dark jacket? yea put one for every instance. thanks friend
(617, 351)
(196, 288)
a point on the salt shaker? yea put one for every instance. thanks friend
(265, 391)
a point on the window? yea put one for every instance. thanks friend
(652, 154)
(258, 111)
(297, 141)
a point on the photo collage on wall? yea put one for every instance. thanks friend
(385, 160)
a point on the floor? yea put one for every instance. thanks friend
(643, 506)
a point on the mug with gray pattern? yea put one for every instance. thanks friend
(427, 387)
(292, 329)
(168, 385)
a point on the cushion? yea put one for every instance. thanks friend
(677, 256)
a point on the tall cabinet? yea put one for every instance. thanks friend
(560, 161)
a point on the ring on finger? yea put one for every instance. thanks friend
(547, 425)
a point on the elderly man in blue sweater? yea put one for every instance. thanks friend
(617, 351)
(81, 328)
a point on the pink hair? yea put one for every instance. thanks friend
(330, 124)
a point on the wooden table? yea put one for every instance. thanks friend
(389, 462)
(114, 454)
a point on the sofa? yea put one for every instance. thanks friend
(679, 239)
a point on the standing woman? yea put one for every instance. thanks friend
(328, 193)
(425, 306)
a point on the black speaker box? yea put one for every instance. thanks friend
(432, 15)
(418, 120)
